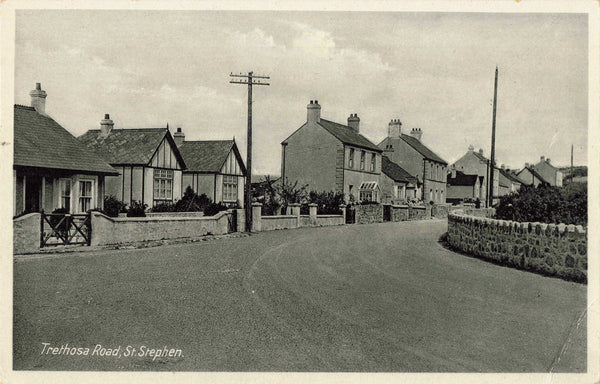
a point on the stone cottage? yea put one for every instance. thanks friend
(329, 156)
(51, 169)
(409, 152)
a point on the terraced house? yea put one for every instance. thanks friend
(51, 169)
(409, 152)
(149, 164)
(329, 156)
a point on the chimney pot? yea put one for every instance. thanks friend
(542, 158)
(481, 151)
(106, 125)
(353, 122)
(548, 160)
(313, 114)
(416, 133)
(38, 99)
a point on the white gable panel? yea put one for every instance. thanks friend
(231, 166)
(165, 157)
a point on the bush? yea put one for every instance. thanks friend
(546, 204)
(113, 206)
(212, 209)
(328, 203)
(164, 207)
(137, 209)
(191, 202)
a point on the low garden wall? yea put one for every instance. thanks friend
(440, 211)
(26, 233)
(294, 220)
(111, 230)
(555, 250)
(172, 214)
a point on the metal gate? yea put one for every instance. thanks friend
(350, 214)
(65, 229)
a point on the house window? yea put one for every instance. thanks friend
(85, 195)
(65, 194)
(351, 158)
(373, 160)
(369, 191)
(363, 155)
(163, 185)
(230, 187)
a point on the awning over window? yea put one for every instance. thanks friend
(369, 186)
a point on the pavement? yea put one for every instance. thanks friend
(358, 298)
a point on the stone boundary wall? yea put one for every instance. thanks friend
(368, 213)
(26, 233)
(440, 211)
(112, 230)
(549, 249)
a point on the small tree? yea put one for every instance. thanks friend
(191, 202)
(291, 193)
(113, 206)
(328, 203)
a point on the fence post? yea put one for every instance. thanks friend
(295, 211)
(312, 212)
(256, 217)
(343, 209)
(42, 229)
(240, 220)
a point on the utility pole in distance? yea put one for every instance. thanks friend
(492, 162)
(249, 80)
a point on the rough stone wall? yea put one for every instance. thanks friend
(555, 250)
(440, 211)
(107, 230)
(26, 233)
(369, 213)
(399, 213)
(417, 213)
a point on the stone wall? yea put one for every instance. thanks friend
(440, 211)
(109, 230)
(295, 219)
(269, 223)
(26, 233)
(399, 213)
(417, 212)
(368, 213)
(555, 250)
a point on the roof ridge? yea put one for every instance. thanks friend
(208, 141)
(25, 107)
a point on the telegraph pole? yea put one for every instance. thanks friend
(492, 162)
(571, 163)
(249, 80)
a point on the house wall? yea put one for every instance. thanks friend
(137, 179)
(470, 164)
(404, 155)
(392, 190)
(548, 172)
(460, 192)
(19, 192)
(355, 179)
(148, 186)
(528, 177)
(112, 184)
(557, 250)
(218, 187)
(310, 158)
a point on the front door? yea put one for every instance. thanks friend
(33, 193)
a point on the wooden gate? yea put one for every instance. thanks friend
(65, 229)
(387, 212)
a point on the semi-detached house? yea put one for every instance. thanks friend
(328, 156)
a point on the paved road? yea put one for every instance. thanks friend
(379, 297)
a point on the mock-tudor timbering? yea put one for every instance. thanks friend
(51, 168)
(214, 168)
(328, 156)
(147, 159)
(417, 159)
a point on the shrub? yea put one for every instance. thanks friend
(113, 206)
(191, 202)
(137, 209)
(164, 207)
(212, 209)
(546, 204)
(328, 203)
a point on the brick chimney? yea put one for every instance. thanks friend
(453, 170)
(542, 158)
(313, 112)
(502, 167)
(416, 133)
(179, 137)
(548, 160)
(481, 151)
(38, 99)
(471, 148)
(106, 125)
(354, 122)
(394, 128)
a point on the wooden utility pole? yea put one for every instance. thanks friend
(571, 162)
(249, 80)
(492, 162)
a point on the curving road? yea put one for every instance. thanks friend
(379, 297)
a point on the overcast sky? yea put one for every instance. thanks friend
(434, 71)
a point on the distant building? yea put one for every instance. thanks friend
(149, 164)
(508, 181)
(214, 168)
(529, 176)
(328, 156)
(549, 172)
(397, 185)
(463, 187)
(417, 159)
(51, 169)
(475, 163)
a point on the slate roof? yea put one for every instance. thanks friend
(537, 175)
(42, 142)
(422, 149)
(347, 135)
(126, 146)
(461, 179)
(396, 172)
(480, 156)
(510, 176)
(208, 156)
